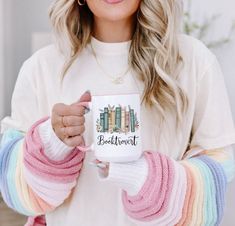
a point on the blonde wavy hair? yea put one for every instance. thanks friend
(153, 55)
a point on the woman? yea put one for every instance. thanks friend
(108, 47)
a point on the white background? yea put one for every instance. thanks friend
(1, 58)
(22, 18)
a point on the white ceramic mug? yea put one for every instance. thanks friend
(116, 127)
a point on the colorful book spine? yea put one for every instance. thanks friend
(110, 120)
(132, 120)
(106, 119)
(113, 118)
(123, 121)
(127, 122)
(102, 121)
(118, 117)
(136, 122)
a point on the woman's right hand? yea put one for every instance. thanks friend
(68, 121)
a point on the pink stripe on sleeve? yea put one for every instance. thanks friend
(152, 200)
(64, 171)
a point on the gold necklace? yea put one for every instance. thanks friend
(119, 79)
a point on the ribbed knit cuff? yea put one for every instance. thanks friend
(55, 149)
(128, 176)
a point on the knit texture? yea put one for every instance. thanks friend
(54, 148)
(127, 177)
(33, 184)
(196, 186)
(30, 182)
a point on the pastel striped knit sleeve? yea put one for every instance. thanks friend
(186, 192)
(30, 182)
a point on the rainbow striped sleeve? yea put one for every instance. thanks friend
(30, 182)
(187, 192)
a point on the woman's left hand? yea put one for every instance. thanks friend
(102, 166)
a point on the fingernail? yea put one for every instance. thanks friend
(87, 110)
(99, 165)
(88, 91)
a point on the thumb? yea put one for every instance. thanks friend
(85, 97)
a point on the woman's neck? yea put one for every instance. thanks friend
(114, 31)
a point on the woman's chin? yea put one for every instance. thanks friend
(113, 10)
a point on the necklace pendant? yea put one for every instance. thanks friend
(118, 80)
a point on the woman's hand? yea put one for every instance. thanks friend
(68, 121)
(103, 167)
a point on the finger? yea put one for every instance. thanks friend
(83, 141)
(86, 97)
(56, 121)
(72, 130)
(103, 169)
(97, 161)
(67, 121)
(102, 164)
(74, 141)
(73, 121)
(67, 110)
(61, 132)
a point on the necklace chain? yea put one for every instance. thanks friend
(119, 79)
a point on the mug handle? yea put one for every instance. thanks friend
(88, 107)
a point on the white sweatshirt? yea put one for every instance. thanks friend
(95, 200)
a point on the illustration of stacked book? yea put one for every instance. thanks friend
(119, 119)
